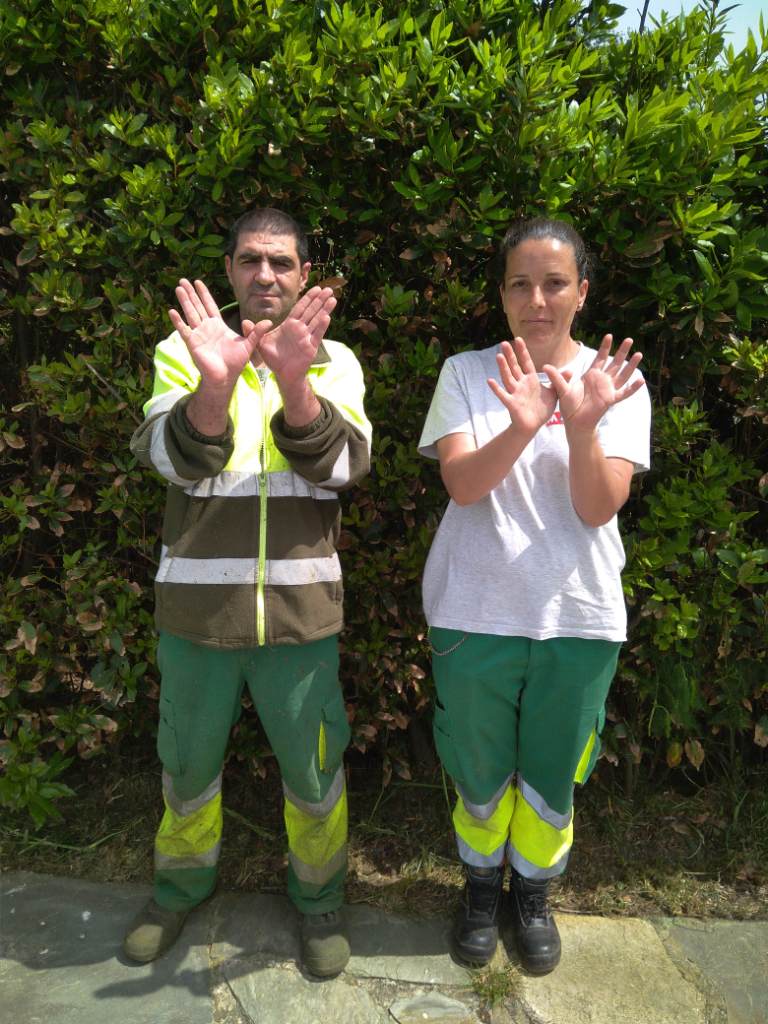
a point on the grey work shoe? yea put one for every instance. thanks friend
(153, 931)
(324, 943)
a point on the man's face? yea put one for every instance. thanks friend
(266, 275)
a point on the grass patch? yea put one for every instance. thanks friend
(493, 986)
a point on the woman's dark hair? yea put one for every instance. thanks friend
(273, 221)
(542, 227)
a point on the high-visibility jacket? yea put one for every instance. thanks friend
(252, 517)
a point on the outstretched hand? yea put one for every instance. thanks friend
(530, 404)
(585, 400)
(218, 352)
(291, 347)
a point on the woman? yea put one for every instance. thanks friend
(537, 443)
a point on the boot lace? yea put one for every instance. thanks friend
(535, 906)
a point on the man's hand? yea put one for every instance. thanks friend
(219, 353)
(585, 400)
(529, 404)
(291, 347)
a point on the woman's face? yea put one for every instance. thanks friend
(541, 294)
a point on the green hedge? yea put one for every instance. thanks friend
(406, 135)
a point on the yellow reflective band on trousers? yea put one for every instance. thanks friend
(190, 840)
(539, 843)
(316, 843)
(485, 835)
(585, 761)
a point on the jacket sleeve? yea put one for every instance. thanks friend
(166, 440)
(334, 451)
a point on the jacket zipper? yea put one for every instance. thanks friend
(261, 631)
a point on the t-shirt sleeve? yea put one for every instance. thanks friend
(625, 430)
(449, 412)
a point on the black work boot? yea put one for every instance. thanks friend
(536, 934)
(476, 932)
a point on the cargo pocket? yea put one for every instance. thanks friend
(167, 740)
(333, 735)
(591, 751)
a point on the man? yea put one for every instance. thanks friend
(257, 424)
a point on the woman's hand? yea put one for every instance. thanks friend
(529, 403)
(585, 400)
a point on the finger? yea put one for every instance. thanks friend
(603, 353)
(509, 371)
(557, 379)
(524, 356)
(191, 303)
(179, 323)
(318, 327)
(629, 390)
(507, 352)
(253, 333)
(311, 302)
(207, 300)
(619, 356)
(319, 322)
(628, 369)
(501, 394)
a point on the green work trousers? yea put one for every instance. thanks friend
(296, 693)
(516, 723)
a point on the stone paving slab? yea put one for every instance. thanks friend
(236, 963)
(281, 994)
(61, 961)
(733, 955)
(402, 949)
(613, 971)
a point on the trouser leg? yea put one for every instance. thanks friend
(296, 692)
(517, 721)
(479, 679)
(199, 703)
(561, 716)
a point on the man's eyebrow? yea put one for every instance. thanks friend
(247, 254)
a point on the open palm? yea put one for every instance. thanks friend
(585, 400)
(291, 347)
(528, 402)
(218, 352)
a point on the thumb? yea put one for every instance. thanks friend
(558, 380)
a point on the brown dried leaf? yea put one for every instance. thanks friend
(695, 753)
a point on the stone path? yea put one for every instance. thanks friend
(60, 962)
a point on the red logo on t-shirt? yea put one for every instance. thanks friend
(557, 419)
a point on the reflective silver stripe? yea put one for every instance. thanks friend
(184, 808)
(529, 870)
(197, 860)
(484, 811)
(294, 572)
(340, 472)
(158, 453)
(164, 403)
(207, 570)
(542, 808)
(319, 874)
(326, 805)
(281, 572)
(237, 484)
(479, 860)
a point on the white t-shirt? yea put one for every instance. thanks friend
(520, 562)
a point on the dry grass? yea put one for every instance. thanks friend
(702, 855)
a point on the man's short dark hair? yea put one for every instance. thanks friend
(276, 222)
